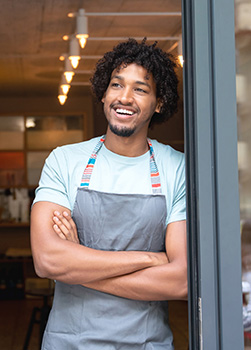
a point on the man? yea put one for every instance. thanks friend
(126, 255)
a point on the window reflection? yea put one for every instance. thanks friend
(243, 89)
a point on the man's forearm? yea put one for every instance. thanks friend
(81, 264)
(73, 263)
(76, 264)
(165, 282)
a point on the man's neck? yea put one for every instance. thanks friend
(132, 146)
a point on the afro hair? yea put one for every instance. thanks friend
(157, 62)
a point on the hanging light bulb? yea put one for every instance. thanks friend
(68, 71)
(62, 99)
(82, 41)
(61, 96)
(180, 55)
(68, 76)
(181, 60)
(82, 28)
(74, 55)
(74, 61)
(65, 86)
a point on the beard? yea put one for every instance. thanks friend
(123, 132)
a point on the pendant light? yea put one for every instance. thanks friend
(68, 70)
(82, 28)
(62, 98)
(65, 86)
(74, 55)
(180, 55)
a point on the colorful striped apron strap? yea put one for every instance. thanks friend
(89, 168)
(155, 177)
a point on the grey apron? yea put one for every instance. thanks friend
(82, 318)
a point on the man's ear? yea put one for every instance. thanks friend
(103, 98)
(159, 105)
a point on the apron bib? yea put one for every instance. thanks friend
(82, 318)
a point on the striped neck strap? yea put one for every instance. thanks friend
(155, 177)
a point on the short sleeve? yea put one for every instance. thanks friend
(53, 181)
(178, 211)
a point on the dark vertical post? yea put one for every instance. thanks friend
(215, 305)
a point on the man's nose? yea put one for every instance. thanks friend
(126, 96)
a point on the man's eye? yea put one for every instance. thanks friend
(141, 90)
(115, 85)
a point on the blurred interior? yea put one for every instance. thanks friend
(33, 122)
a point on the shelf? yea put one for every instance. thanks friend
(14, 224)
(20, 259)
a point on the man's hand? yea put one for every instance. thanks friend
(66, 229)
(60, 258)
(65, 226)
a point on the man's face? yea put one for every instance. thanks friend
(130, 100)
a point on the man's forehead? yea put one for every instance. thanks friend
(123, 66)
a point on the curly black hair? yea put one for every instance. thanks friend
(154, 60)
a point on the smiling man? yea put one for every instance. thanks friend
(130, 101)
(108, 220)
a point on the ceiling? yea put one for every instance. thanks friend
(31, 41)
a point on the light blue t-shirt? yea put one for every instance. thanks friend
(112, 173)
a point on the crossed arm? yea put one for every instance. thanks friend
(135, 275)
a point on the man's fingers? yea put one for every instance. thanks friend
(70, 221)
(61, 225)
(63, 220)
(59, 232)
(66, 225)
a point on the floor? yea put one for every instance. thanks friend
(14, 320)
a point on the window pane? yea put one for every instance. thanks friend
(50, 132)
(11, 133)
(243, 90)
(12, 170)
(35, 162)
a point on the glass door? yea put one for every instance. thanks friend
(243, 89)
(215, 298)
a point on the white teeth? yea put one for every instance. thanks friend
(124, 111)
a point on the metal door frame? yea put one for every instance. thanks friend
(214, 254)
